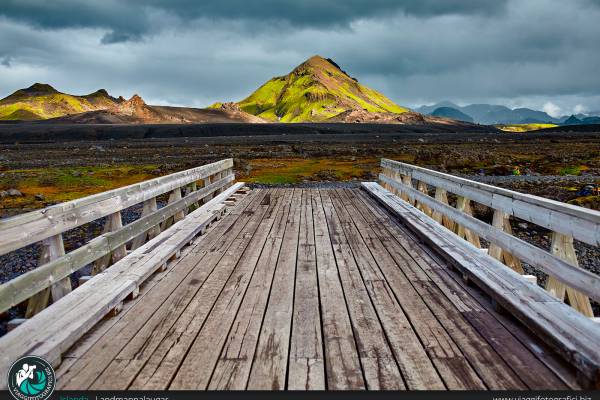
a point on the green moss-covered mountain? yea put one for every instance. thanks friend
(315, 91)
(41, 101)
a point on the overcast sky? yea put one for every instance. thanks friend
(543, 54)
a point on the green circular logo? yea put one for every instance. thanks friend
(31, 378)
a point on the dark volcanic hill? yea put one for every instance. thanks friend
(453, 113)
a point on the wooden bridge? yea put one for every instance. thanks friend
(382, 287)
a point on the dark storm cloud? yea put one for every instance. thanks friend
(517, 52)
(130, 20)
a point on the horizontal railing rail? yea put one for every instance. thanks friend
(567, 222)
(52, 278)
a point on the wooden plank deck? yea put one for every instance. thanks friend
(310, 289)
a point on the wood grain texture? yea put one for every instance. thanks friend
(537, 309)
(578, 222)
(35, 226)
(306, 370)
(308, 289)
(575, 277)
(269, 366)
(49, 335)
(343, 367)
(31, 282)
(529, 362)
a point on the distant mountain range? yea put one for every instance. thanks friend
(490, 114)
(317, 90)
(44, 103)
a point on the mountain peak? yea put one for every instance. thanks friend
(315, 90)
(316, 61)
(134, 106)
(317, 64)
(100, 92)
(40, 88)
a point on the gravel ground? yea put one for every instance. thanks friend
(312, 185)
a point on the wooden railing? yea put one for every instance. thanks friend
(566, 280)
(51, 279)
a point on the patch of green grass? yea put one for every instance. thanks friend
(64, 184)
(296, 170)
(524, 127)
(572, 170)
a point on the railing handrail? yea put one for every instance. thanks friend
(21, 230)
(579, 222)
(53, 274)
(567, 222)
(28, 284)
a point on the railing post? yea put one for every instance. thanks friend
(179, 215)
(113, 223)
(206, 182)
(192, 188)
(464, 205)
(149, 206)
(422, 187)
(407, 181)
(230, 172)
(501, 221)
(442, 196)
(562, 246)
(52, 248)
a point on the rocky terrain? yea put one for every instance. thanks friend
(136, 111)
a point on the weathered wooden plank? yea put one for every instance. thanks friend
(575, 277)
(343, 367)
(22, 230)
(528, 362)
(562, 246)
(534, 307)
(164, 349)
(370, 325)
(581, 223)
(485, 360)
(49, 336)
(233, 368)
(52, 249)
(80, 349)
(448, 360)
(306, 365)
(501, 222)
(270, 360)
(146, 324)
(167, 332)
(113, 223)
(149, 207)
(24, 286)
(204, 352)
